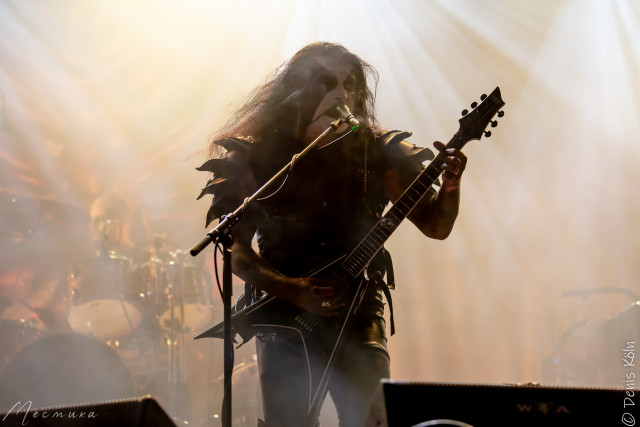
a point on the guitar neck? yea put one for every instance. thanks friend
(359, 258)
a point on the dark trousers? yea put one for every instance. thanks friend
(285, 374)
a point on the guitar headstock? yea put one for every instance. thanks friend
(474, 123)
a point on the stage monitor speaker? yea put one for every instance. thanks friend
(142, 412)
(411, 404)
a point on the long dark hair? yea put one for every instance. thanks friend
(273, 107)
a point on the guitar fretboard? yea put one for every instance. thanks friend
(361, 256)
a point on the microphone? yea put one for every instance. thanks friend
(341, 111)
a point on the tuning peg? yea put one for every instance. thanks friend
(474, 104)
(465, 112)
(483, 97)
(494, 123)
(500, 113)
(487, 133)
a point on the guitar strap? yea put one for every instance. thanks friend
(386, 287)
(390, 284)
(388, 266)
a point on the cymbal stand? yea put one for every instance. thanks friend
(111, 237)
(175, 341)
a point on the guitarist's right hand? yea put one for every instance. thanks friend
(311, 294)
(314, 295)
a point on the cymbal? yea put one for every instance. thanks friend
(244, 368)
(33, 229)
(627, 322)
(5, 302)
(159, 243)
(630, 311)
(22, 213)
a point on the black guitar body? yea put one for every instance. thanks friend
(320, 336)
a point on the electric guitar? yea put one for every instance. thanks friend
(322, 334)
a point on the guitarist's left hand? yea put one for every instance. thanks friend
(454, 164)
(435, 215)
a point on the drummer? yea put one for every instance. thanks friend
(112, 228)
(110, 293)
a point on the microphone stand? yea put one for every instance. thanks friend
(221, 233)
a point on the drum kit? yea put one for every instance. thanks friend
(74, 319)
(111, 295)
(591, 351)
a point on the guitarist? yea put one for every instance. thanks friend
(322, 209)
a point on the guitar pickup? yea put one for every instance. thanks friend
(307, 323)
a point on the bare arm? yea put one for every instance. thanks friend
(436, 213)
(308, 293)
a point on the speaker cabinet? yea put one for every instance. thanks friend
(409, 404)
(142, 412)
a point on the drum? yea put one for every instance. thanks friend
(64, 369)
(626, 325)
(105, 303)
(246, 402)
(183, 287)
(585, 356)
(14, 335)
(145, 286)
(143, 351)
